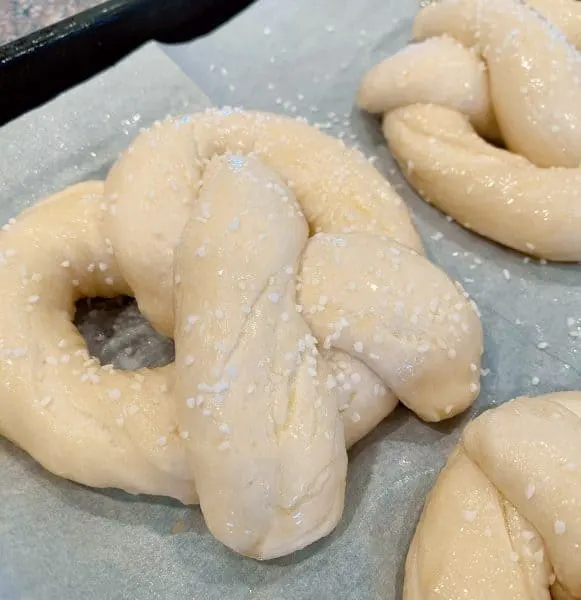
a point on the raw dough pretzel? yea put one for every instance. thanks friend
(498, 68)
(82, 421)
(504, 518)
(197, 223)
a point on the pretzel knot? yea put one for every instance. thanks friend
(503, 519)
(294, 285)
(499, 69)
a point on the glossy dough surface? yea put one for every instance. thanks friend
(503, 520)
(293, 283)
(502, 70)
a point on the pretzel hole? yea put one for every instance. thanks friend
(116, 333)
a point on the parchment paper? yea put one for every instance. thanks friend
(61, 541)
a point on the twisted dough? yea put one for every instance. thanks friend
(289, 309)
(504, 518)
(498, 68)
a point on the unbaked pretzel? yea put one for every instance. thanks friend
(498, 68)
(288, 309)
(504, 518)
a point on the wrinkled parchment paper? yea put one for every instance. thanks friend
(59, 540)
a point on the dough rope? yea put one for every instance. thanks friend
(500, 70)
(503, 518)
(293, 283)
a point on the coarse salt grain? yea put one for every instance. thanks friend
(560, 527)
(530, 490)
(45, 401)
(469, 515)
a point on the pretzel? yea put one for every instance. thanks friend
(497, 69)
(503, 519)
(293, 283)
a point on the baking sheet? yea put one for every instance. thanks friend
(59, 540)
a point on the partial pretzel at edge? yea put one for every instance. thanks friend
(502, 520)
(492, 61)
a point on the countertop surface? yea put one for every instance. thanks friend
(21, 17)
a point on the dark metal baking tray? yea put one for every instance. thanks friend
(41, 65)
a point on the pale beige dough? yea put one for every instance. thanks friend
(370, 300)
(563, 14)
(519, 74)
(293, 283)
(534, 73)
(439, 71)
(159, 177)
(503, 520)
(80, 420)
(491, 191)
